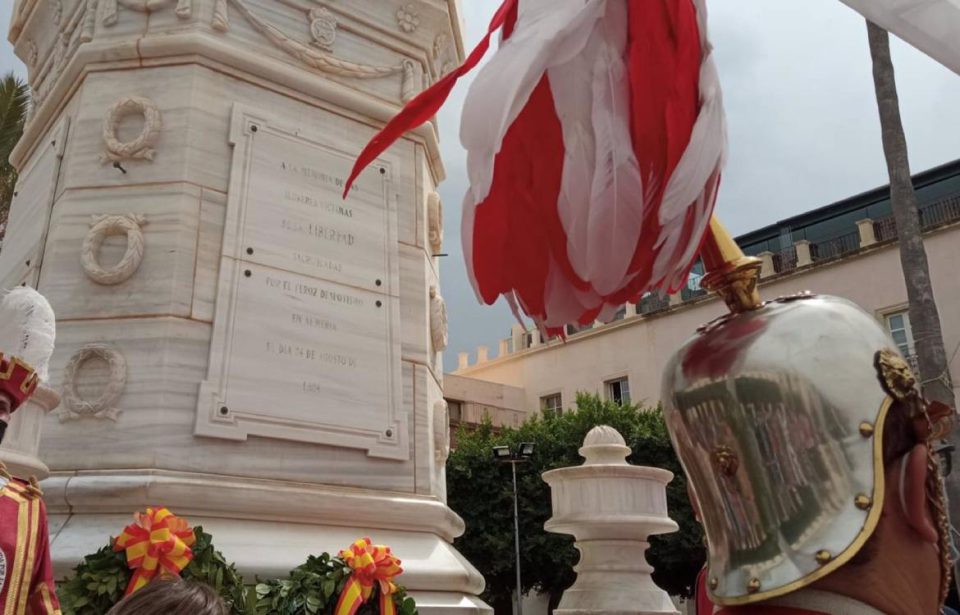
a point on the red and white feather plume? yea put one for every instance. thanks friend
(595, 139)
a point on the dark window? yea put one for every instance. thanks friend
(619, 391)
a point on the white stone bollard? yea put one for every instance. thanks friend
(21, 446)
(611, 507)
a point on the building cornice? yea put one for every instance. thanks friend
(873, 196)
(203, 49)
(638, 319)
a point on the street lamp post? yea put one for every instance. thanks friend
(503, 454)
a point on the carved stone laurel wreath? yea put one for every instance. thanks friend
(103, 227)
(323, 28)
(441, 431)
(316, 55)
(435, 222)
(184, 8)
(74, 406)
(140, 148)
(438, 321)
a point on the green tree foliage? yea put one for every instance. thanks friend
(13, 111)
(480, 491)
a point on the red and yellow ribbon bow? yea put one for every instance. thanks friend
(157, 539)
(372, 565)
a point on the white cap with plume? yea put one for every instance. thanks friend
(28, 328)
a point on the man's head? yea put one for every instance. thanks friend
(794, 423)
(905, 555)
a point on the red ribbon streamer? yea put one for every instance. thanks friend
(426, 104)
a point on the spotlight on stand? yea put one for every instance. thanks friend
(503, 454)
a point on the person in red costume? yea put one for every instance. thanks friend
(811, 454)
(26, 570)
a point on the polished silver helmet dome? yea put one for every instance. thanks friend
(777, 416)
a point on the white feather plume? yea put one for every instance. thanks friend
(601, 198)
(28, 328)
(547, 33)
(617, 193)
(692, 184)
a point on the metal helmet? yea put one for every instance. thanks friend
(777, 412)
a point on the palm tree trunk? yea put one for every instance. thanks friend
(924, 317)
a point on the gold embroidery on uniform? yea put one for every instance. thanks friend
(34, 507)
(47, 602)
(18, 557)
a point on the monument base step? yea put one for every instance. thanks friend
(86, 509)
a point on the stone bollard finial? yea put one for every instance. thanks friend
(611, 507)
(604, 445)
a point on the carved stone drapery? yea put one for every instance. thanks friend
(184, 8)
(74, 405)
(438, 321)
(140, 148)
(444, 54)
(435, 222)
(221, 17)
(32, 54)
(89, 21)
(316, 55)
(101, 228)
(441, 431)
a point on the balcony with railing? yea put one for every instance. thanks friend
(785, 260)
(836, 247)
(866, 233)
(932, 216)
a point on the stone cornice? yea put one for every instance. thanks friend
(211, 50)
(120, 491)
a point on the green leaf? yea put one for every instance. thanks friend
(329, 587)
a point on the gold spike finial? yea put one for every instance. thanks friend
(730, 273)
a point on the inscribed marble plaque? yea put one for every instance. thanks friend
(297, 220)
(306, 339)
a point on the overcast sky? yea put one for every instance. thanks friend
(802, 120)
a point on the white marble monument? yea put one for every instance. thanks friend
(612, 508)
(236, 341)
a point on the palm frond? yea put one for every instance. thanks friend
(14, 101)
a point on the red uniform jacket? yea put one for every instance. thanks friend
(26, 572)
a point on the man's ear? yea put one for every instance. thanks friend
(914, 496)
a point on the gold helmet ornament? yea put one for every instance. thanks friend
(777, 412)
